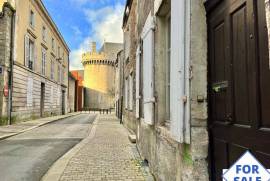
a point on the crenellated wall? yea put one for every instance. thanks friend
(98, 79)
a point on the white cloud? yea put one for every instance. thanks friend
(76, 55)
(80, 3)
(106, 25)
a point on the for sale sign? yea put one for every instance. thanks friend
(247, 168)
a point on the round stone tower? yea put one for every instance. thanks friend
(98, 79)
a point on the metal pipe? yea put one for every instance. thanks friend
(10, 83)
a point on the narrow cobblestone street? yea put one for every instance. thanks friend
(108, 155)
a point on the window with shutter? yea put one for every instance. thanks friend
(52, 69)
(168, 69)
(29, 52)
(138, 72)
(26, 50)
(148, 70)
(32, 19)
(34, 59)
(126, 93)
(179, 99)
(131, 91)
(43, 63)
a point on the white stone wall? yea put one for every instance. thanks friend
(22, 108)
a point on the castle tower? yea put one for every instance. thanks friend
(99, 76)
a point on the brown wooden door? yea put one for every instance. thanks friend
(239, 82)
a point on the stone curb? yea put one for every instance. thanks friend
(34, 127)
(57, 169)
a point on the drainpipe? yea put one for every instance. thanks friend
(10, 81)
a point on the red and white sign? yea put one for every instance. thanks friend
(6, 91)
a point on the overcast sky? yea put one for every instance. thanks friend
(84, 21)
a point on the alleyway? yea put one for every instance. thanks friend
(107, 154)
(29, 155)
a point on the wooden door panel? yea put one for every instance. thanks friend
(239, 55)
(264, 66)
(219, 156)
(219, 67)
(239, 45)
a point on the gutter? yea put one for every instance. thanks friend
(10, 82)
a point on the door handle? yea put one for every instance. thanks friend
(220, 86)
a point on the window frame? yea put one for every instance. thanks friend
(63, 74)
(43, 61)
(32, 18)
(53, 44)
(58, 51)
(126, 93)
(130, 92)
(168, 68)
(52, 69)
(59, 72)
(31, 54)
(44, 33)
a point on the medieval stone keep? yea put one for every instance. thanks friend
(99, 76)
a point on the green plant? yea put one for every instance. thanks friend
(186, 155)
(3, 120)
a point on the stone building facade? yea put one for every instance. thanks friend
(169, 115)
(6, 46)
(78, 75)
(40, 62)
(130, 46)
(192, 87)
(72, 93)
(99, 76)
(119, 82)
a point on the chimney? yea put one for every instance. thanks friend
(94, 47)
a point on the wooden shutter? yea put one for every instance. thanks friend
(148, 70)
(131, 91)
(138, 72)
(26, 50)
(126, 93)
(45, 62)
(179, 100)
(35, 57)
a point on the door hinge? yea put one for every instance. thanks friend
(190, 72)
(184, 99)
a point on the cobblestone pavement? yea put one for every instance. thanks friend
(107, 156)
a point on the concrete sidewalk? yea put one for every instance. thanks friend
(106, 154)
(15, 129)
